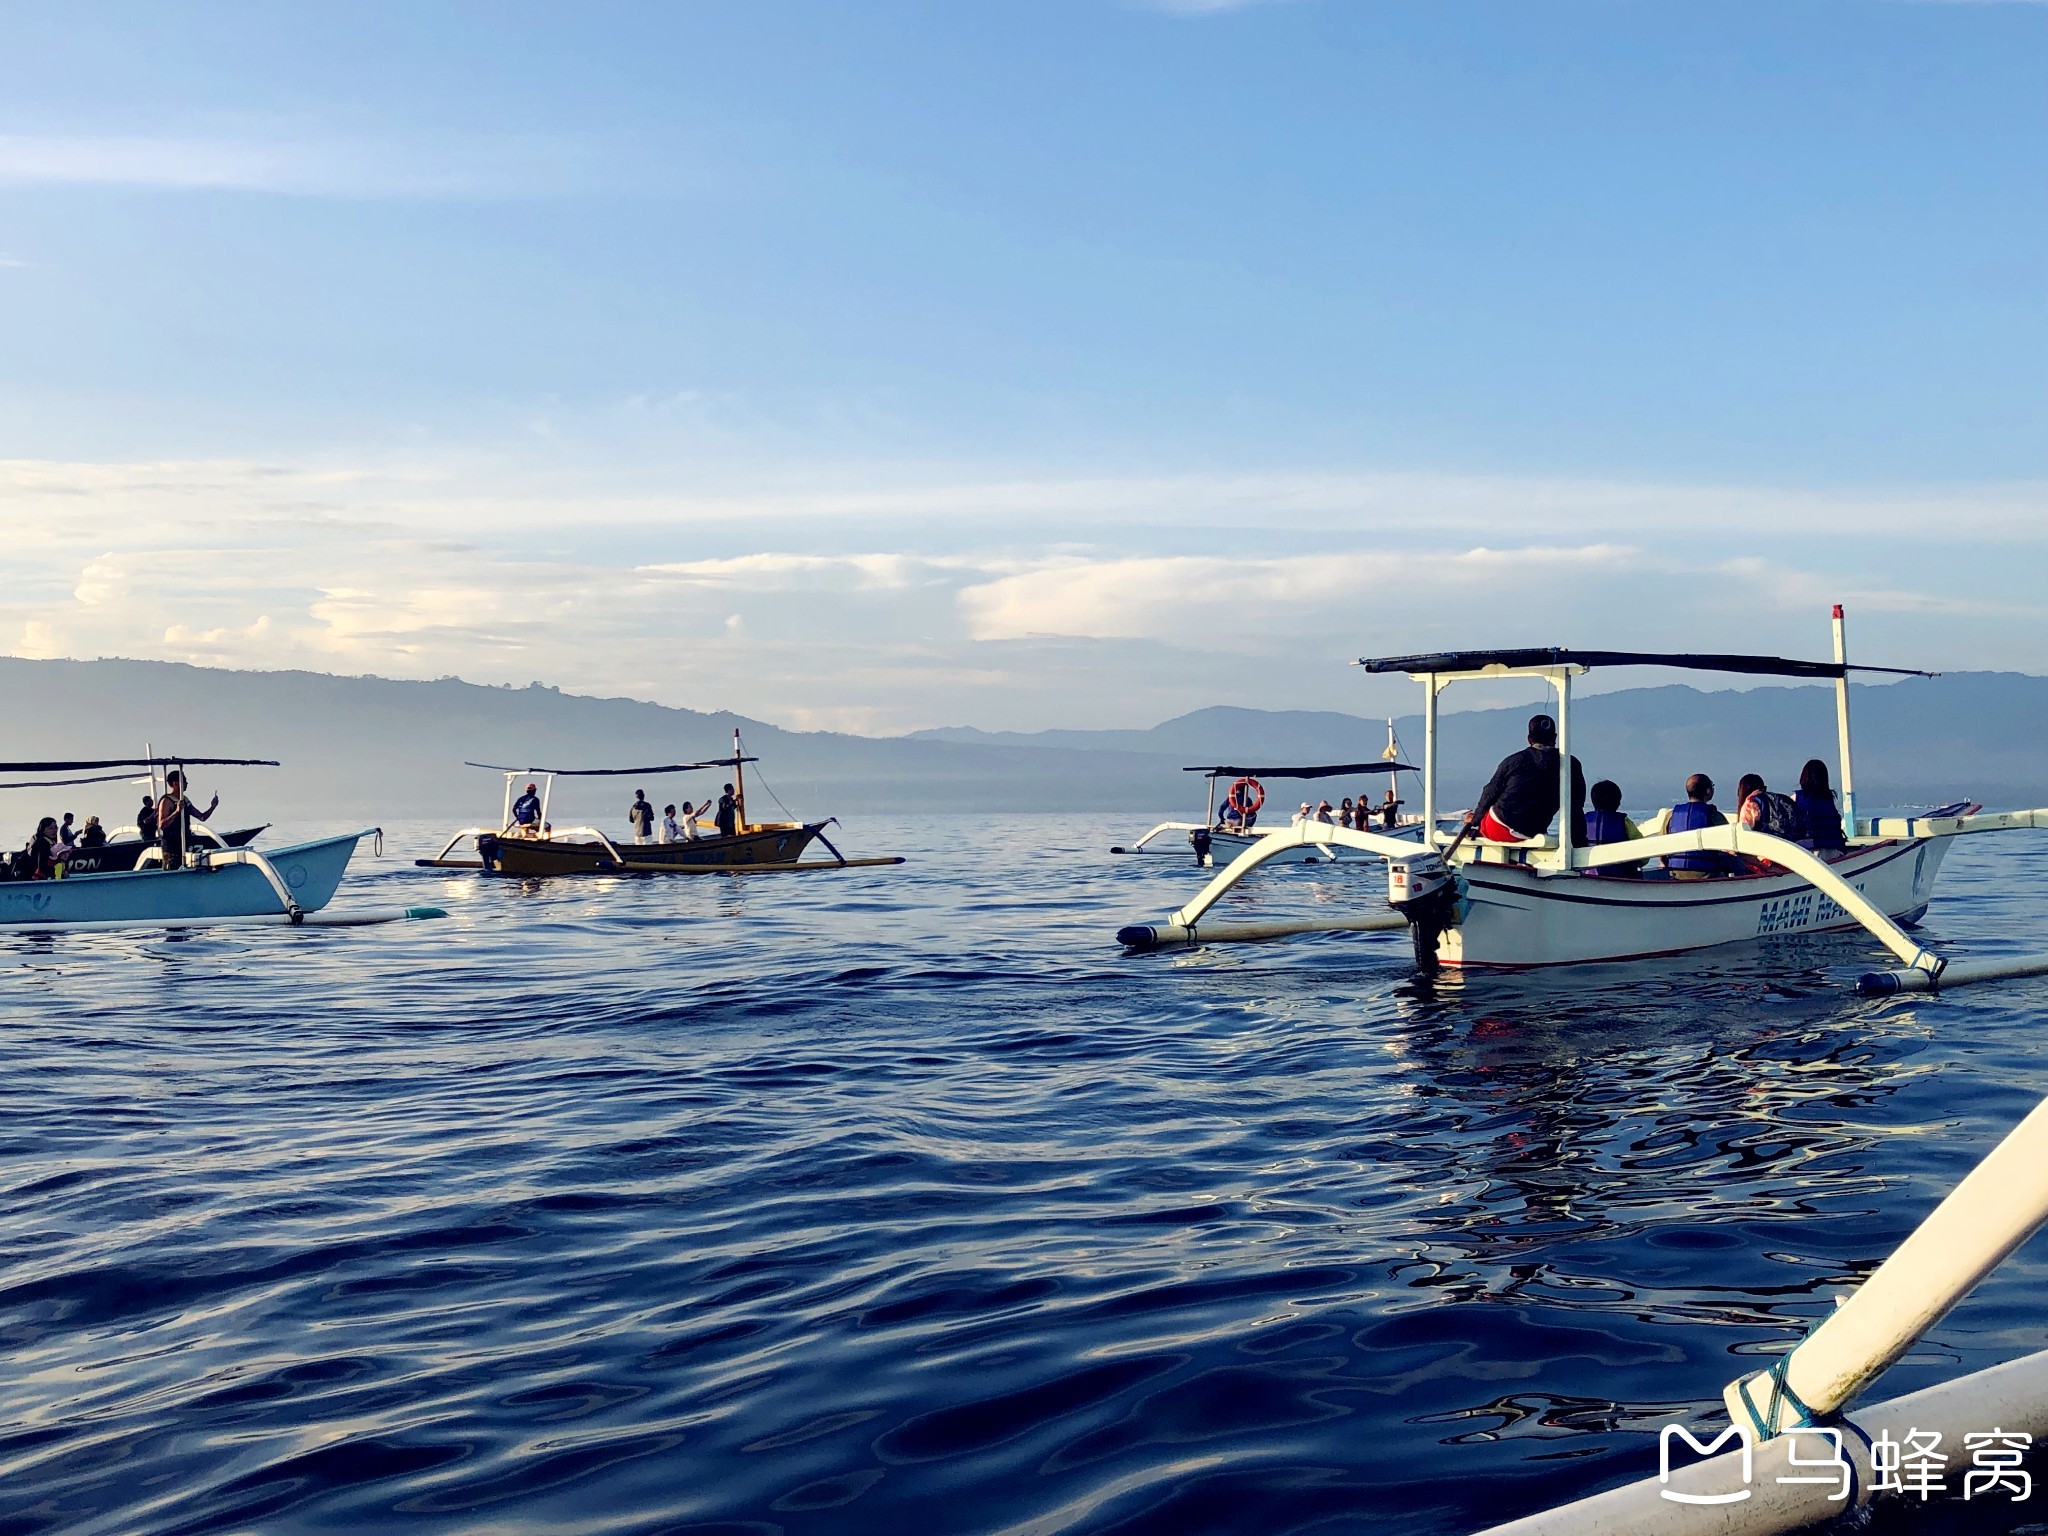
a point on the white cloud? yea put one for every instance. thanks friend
(892, 600)
(1187, 598)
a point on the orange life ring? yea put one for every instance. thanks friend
(1246, 796)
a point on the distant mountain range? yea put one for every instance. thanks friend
(388, 750)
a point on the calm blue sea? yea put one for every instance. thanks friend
(898, 1201)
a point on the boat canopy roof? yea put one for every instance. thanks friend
(1556, 656)
(1325, 771)
(610, 773)
(162, 758)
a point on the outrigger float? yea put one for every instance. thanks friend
(1544, 902)
(219, 883)
(540, 849)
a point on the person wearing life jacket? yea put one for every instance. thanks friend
(1695, 811)
(1521, 797)
(1816, 802)
(1606, 824)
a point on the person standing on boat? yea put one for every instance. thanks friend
(145, 821)
(728, 817)
(1523, 791)
(1816, 802)
(641, 815)
(526, 811)
(175, 814)
(1390, 809)
(670, 831)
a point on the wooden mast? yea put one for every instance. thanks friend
(739, 784)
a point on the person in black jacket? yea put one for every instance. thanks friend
(1521, 797)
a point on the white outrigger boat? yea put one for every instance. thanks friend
(218, 884)
(1229, 832)
(1545, 902)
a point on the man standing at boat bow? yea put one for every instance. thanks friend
(1522, 794)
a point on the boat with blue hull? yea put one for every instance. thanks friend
(230, 885)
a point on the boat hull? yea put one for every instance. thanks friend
(310, 871)
(531, 857)
(1518, 918)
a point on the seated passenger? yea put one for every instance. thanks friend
(1326, 814)
(1696, 811)
(1301, 815)
(1346, 816)
(1816, 802)
(38, 861)
(1765, 810)
(94, 835)
(1522, 795)
(1231, 820)
(526, 811)
(1606, 824)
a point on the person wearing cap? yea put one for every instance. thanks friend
(526, 811)
(1303, 814)
(1521, 797)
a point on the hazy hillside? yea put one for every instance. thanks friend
(375, 748)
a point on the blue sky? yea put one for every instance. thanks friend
(1057, 362)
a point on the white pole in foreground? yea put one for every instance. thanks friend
(1842, 727)
(1998, 1206)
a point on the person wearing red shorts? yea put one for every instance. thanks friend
(1521, 797)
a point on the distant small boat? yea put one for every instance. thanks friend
(538, 849)
(1223, 834)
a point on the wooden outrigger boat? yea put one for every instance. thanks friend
(219, 883)
(1545, 902)
(540, 849)
(1218, 839)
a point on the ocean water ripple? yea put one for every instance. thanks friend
(896, 1200)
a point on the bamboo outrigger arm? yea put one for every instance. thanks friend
(213, 858)
(1181, 927)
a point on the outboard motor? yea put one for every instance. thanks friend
(1424, 890)
(1200, 841)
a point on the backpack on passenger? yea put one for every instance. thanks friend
(1780, 816)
